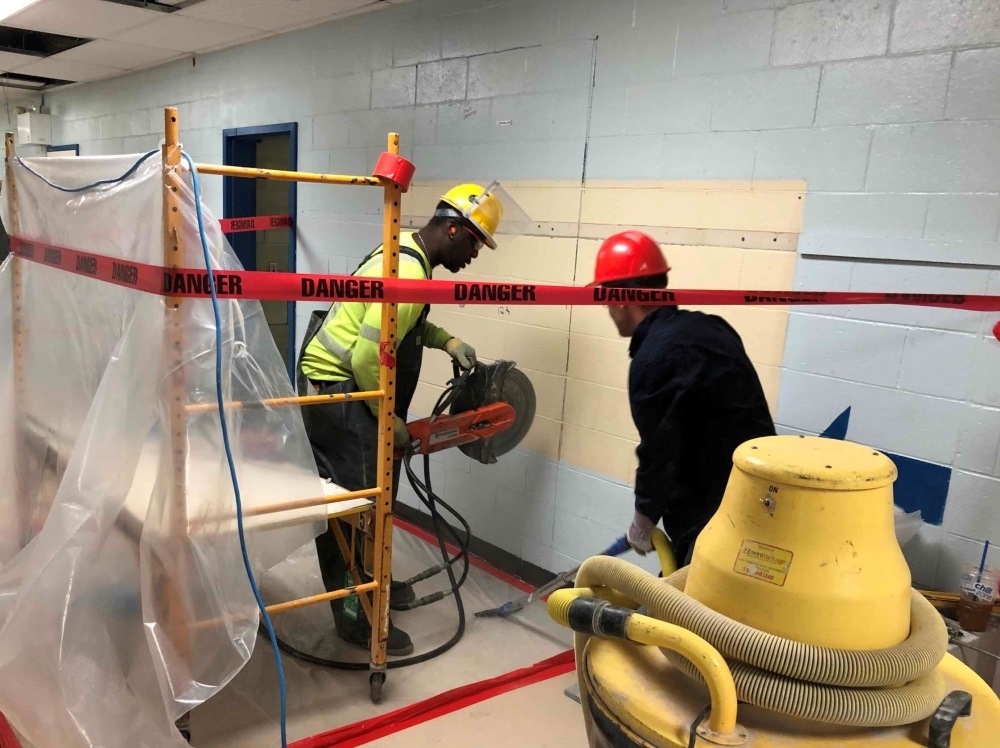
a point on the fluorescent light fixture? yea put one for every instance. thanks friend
(10, 7)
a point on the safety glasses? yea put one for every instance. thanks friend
(477, 242)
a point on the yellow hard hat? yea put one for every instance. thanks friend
(480, 207)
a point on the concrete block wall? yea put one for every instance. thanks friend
(883, 115)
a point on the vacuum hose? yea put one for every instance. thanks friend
(868, 688)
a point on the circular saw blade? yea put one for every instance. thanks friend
(491, 383)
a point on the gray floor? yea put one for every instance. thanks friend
(244, 714)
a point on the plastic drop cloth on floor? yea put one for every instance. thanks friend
(245, 713)
(123, 597)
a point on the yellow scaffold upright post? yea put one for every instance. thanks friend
(20, 337)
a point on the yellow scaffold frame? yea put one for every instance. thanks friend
(377, 609)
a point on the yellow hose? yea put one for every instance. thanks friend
(661, 544)
(920, 652)
(705, 659)
(819, 683)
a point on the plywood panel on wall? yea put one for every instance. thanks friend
(716, 235)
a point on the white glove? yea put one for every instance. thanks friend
(463, 353)
(640, 534)
(400, 436)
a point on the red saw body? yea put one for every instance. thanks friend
(445, 431)
(491, 410)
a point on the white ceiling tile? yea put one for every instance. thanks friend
(211, 7)
(262, 16)
(186, 34)
(330, 8)
(9, 61)
(118, 54)
(68, 70)
(87, 18)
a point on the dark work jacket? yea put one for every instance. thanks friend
(695, 397)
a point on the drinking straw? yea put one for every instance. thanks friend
(982, 562)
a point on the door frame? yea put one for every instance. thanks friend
(234, 203)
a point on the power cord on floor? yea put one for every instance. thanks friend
(429, 499)
(265, 618)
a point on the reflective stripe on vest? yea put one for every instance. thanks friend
(368, 332)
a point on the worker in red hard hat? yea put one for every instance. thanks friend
(693, 393)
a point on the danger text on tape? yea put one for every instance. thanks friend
(278, 286)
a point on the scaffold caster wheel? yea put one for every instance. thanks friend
(375, 681)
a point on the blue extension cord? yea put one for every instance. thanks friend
(229, 453)
(222, 407)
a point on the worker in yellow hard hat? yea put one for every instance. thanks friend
(341, 354)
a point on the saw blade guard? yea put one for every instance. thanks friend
(499, 381)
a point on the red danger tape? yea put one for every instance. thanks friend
(255, 223)
(253, 284)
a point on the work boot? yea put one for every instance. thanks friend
(400, 594)
(398, 644)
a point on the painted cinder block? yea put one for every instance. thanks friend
(560, 65)
(922, 427)
(937, 157)
(765, 100)
(509, 473)
(580, 538)
(716, 155)
(925, 351)
(829, 159)
(415, 42)
(972, 507)
(599, 408)
(115, 125)
(463, 122)
(983, 380)
(529, 519)
(933, 24)
(589, 18)
(503, 26)
(331, 131)
(860, 214)
(979, 441)
(973, 79)
(616, 55)
(587, 448)
(442, 80)
(541, 478)
(856, 351)
(974, 218)
(670, 106)
(598, 360)
(394, 87)
(544, 438)
(903, 89)
(553, 115)
(624, 157)
(724, 44)
(831, 30)
(140, 122)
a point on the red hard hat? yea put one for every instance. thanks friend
(628, 254)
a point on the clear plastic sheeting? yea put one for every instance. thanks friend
(124, 601)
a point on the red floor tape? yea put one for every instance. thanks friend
(475, 561)
(448, 702)
(7, 737)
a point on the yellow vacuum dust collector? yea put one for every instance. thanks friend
(794, 625)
